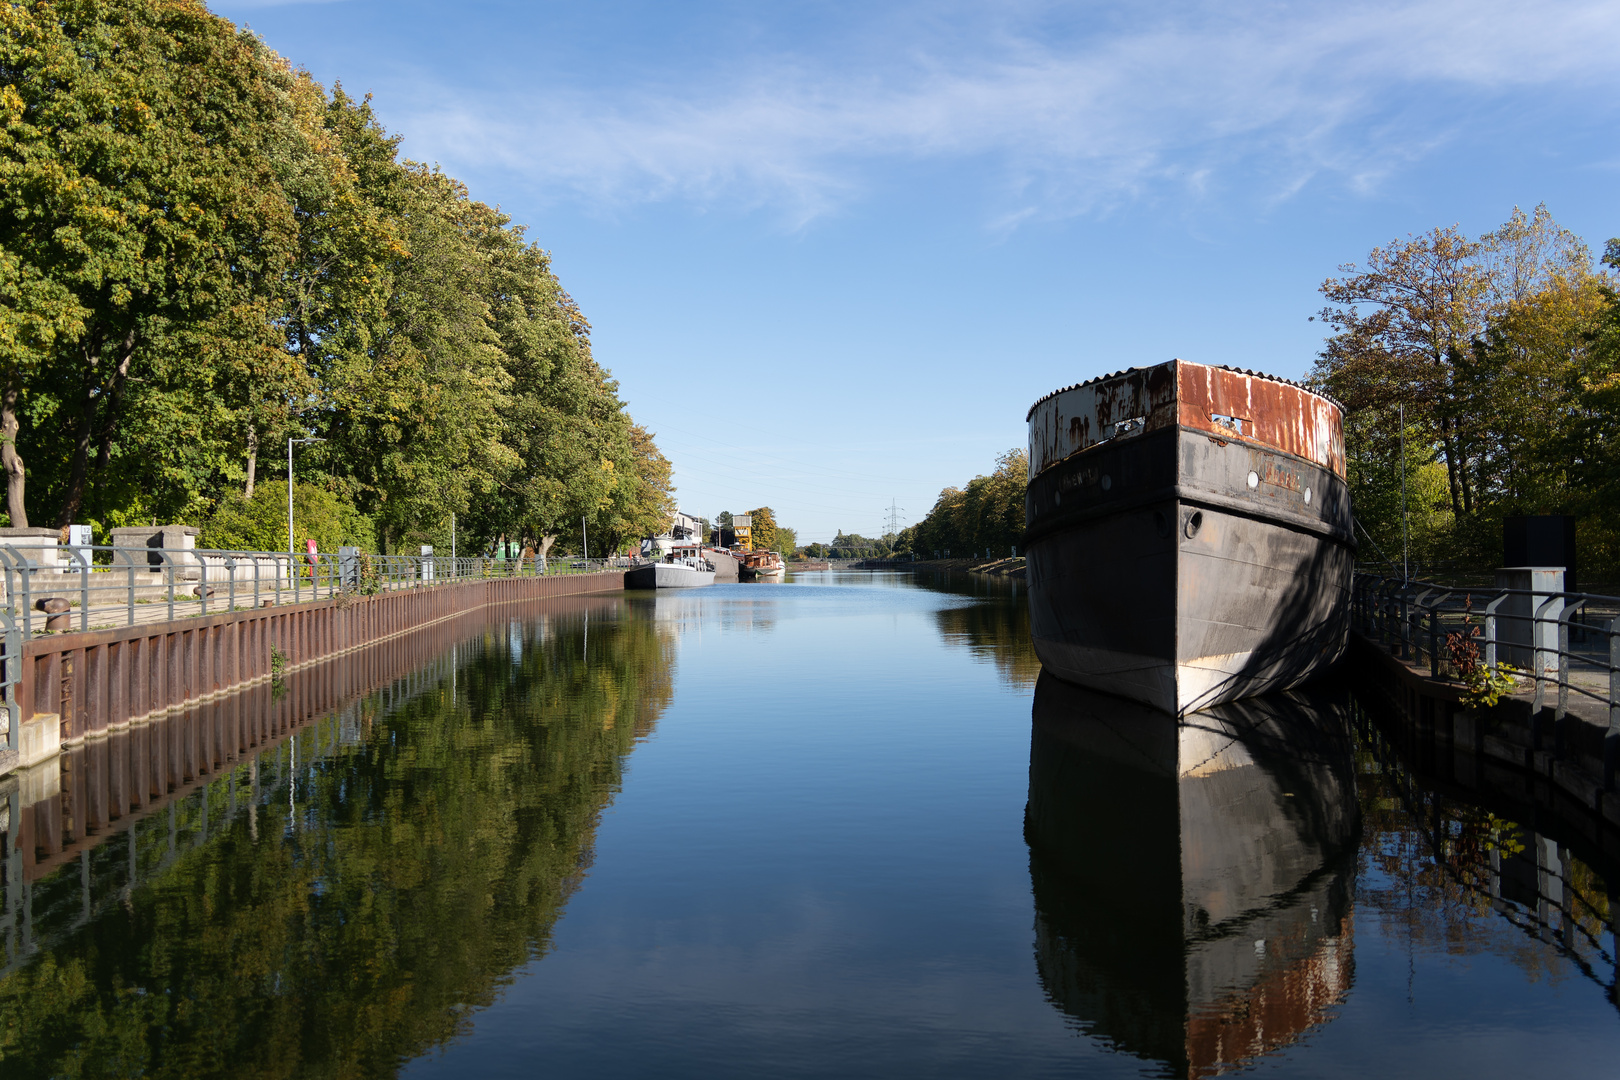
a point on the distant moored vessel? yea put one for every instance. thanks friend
(1189, 534)
(673, 573)
(763, 566)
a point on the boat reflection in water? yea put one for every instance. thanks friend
(1192, 878)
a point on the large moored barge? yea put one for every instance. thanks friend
(1189, 534)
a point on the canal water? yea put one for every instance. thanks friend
(833, 827)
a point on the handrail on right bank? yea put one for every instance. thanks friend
(1568, 642)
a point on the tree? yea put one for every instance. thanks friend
(986, 517)
(138, 180)
(1488, 346)
(259, 522)
(202, 253)
(762, 534)
(1429, 300)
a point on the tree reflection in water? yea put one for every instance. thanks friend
(370, 893)
(995, 630)
(1465, 878)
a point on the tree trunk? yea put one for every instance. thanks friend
(9, 458)
(80, 469)
(109, 424)
(80, 460)
(1452, 468)
(545, 548)
(253, 459)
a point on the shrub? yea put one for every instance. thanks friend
(260, 523)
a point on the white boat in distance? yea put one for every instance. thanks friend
(689, 572)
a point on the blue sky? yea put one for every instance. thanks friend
(832, 251)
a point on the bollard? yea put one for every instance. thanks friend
(57, 613)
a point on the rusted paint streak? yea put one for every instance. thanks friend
(1273, 412)
(1276, 414)
(1083, 416)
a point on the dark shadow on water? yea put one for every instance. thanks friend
(1192, 880)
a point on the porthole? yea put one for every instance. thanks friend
(1307, 496)
(1057, 498)
(1107, 482)
(1195, 521)
(1254, 480)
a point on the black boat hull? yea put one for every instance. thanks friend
(1184, 570)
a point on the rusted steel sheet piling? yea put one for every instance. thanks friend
(76, 686)
(98, 787)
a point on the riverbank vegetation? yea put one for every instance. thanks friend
(851, 546)
(1498, 360)
(204, 253)
(984, 519)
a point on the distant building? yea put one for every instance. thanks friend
(685, 529)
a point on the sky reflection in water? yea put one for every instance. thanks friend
(805, 829)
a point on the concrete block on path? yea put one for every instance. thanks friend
(39, 739)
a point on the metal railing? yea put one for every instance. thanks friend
(51, 589)
(1566, 644)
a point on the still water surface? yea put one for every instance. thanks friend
(837, 826)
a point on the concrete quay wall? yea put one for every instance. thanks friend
(1511, 752)
(86, 684)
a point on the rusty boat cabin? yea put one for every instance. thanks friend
(1189, 534)
(758, 565)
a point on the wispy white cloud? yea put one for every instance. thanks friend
(1173, 103)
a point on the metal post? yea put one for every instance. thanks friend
(1611, 738)
(168, 572)
(24, 578)
(11, 682)
(129, 560)
(1563, 671)
(1434, 629)
(78, 556)
(1538, 659)
(1490, 630)
(1406, 547)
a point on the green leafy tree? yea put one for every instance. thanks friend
(762, 533)
(985, 518)
(203, 253)
(138, 180)
(259, 522)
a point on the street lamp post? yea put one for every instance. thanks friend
(290, 442)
